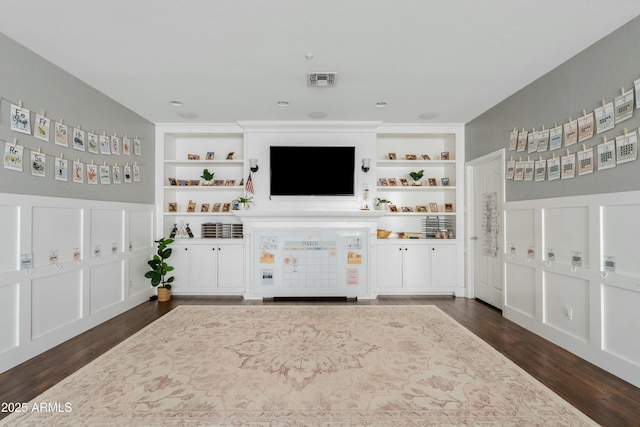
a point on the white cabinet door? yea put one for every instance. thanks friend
(231, 266)
(389, 268)
(416, 267)
(180, 261)
(203, 267)
(443, 266)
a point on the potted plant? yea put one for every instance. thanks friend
(382, 204)
(244, 202)
(207, 176)
(416, 176)
(159, 270)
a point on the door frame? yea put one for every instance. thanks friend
(470, 217)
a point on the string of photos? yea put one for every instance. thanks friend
(574, 133)
(65, 137)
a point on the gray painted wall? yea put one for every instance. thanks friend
(579, 84)
(40, 85)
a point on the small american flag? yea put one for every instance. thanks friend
(249, 185)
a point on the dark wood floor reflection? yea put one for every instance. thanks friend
(602, 396)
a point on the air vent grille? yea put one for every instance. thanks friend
(321, 79)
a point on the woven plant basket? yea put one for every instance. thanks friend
(164, 294)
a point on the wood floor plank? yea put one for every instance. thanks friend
(605, 398)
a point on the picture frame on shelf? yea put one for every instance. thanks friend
(226, 207)
(393, 182)
(235, 206)
(444, 155)
(393, 208)
(230, 155)
(194, 182)
(421, 209)
(382, 182)
(172, 181)
(448, 207)
(183, 182)
(445, 181)
(172, 207)
(210, 155)
(404, 182)
(192, 206)
(410, 157)
(391, 156)
(204, 207)
(218, 182)
(407, 209)
(216, 207)
(193, 156)
(432, 182)
(230, 183)
(425, 157)
(433, 207)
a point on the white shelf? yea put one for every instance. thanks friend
(204, 187)
(406, 163)
(415, 188)
(198, 214)
(201, 163)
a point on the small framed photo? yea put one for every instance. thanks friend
(172, 181)
(235, 206)
(230, 183)
(392, 156)
(433, 207)
(448, 207)
(432, 182)
(172, 207)
(194, 182)
(404, 182)
(210, 155)
(393, 208)
(407, 209)
(183, 182)
(393, 182)
(204, 207)
(410, 157)
(219, 182)
(445, 181)
(226, 207)
(444, 155)
(230, 155)
(216, 207)
(191, 207)
(426, 157)
(382, 182)
(193, 156)
(421, 209)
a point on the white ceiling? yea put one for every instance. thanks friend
(232, 60)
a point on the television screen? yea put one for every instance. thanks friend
(312, 171)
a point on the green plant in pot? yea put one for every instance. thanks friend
(417, 176)
(244, 202)
(382, 204)
(160, 269)
(207, 176)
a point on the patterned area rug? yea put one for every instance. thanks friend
(301, 366)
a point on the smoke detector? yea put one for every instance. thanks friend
(321, 79)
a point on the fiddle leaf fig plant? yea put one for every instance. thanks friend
(159, 268)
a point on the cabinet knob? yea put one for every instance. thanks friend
(186, 249)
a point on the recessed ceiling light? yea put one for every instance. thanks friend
(381, 104)
(283, 103)
(429, 115)
(318, 115)
(187, 114)
(176, 103)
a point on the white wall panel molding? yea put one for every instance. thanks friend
(53, 285)
(573, 277)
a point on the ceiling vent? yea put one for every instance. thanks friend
(321, 79)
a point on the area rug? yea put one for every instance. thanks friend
(301, 366)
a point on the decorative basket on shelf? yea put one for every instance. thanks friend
(383, 234)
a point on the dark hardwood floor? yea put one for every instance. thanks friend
(605, 398)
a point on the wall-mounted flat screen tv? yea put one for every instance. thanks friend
(312, 170)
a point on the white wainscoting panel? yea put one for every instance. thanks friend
(46, 302)
(590, 308)
(9, 218)
(107, 286)
(8, 316)
(56, 301)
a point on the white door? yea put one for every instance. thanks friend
(487, 187)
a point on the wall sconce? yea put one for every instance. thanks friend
(366, 163)
(253, 165)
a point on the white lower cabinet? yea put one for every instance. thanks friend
(420, 268)
(204, 268)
